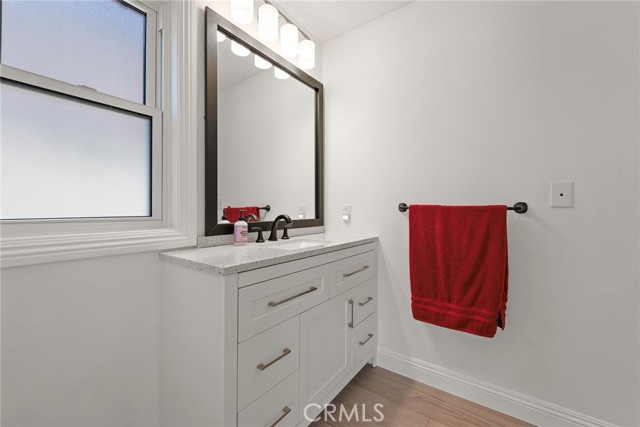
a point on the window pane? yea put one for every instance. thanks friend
(63, 158)
(95, 43)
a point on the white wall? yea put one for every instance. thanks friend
(80, 343)
(489, 102)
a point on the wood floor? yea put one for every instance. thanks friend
(408, 403)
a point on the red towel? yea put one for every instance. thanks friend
(233, 214)
(459, 267)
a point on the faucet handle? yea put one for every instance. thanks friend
(260, 239)
(285, 234)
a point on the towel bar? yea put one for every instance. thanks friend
(520, 207)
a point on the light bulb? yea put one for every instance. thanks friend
(289, 40)
(268, 23)
(221, 37)
(261, 63)
(238, 49)
(279, 74)
(242, 11)
(307, 55)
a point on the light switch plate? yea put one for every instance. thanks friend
(346, 212)
(302, 211)
(562, 194)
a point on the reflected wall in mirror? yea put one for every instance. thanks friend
(266, 138)
(263, 133)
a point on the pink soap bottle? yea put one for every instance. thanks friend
(240, 230)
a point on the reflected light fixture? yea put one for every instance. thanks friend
(268, 23)
(242, 11)
(289, 40)
(279, 74)
(221, 37)
(238, 49)
(261, 63)
(307, 55)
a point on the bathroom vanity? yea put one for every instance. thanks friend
(265, 334)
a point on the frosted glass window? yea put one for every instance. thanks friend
(95, 43)
(65, 158)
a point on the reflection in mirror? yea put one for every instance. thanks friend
(263, 133)
(266, 137)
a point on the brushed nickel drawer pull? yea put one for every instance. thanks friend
(286, 411)
(351, 304)
(262, 366)
(365, 341)
(366, 302)
(274, 303)
(355, 272)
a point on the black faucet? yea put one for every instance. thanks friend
(273, 237)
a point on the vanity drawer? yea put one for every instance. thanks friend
(365, 338)
(279, 407)
(365, 300)
(268, 303)
(349, 272)
(267, 359)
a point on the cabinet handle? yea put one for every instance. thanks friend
(286, 411)
(366, 302)
(274, 303)
(351, 323)
(365, 341)
(355, 272)
(262, 366)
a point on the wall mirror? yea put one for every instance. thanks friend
(263, 133)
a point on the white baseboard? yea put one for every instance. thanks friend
(526, 408)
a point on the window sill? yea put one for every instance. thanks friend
(21, 251)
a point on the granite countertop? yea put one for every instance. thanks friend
(229, 259)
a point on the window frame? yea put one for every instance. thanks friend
(168, 96)
(150, 109)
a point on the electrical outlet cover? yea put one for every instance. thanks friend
(562, 194)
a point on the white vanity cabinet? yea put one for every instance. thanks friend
(264, 345)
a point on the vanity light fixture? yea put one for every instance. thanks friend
(261, 63)
(289, 40)
(268, 22)
(279, 74)
(238, 49)
(221, 37)
(307, 55)
(242, 11)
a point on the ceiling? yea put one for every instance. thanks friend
(327, 19)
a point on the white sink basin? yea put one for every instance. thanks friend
(298, 244)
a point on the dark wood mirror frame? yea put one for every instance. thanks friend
(215, 23)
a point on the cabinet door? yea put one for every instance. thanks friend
(325, 349)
